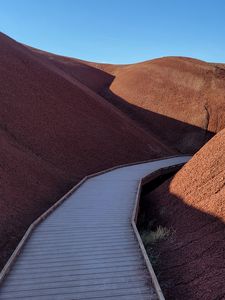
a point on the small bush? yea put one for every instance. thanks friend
(151, 237)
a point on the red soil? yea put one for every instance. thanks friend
(191, 262)
(183, 95)
(54, 131)
(62, 118)
(173, 92)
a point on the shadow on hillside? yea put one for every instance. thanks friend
(178, 135)
(189, 262)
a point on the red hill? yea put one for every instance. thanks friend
(184, 95)
(54, 130)
(191, 263)
(63, 118)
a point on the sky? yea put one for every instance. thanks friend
(119, 31)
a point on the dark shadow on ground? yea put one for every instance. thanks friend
(189, 262)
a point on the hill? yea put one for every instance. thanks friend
(54, 130)
(183, 95)
(191, 205)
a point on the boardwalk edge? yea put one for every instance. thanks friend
(144, 180)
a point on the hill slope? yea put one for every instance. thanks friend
(185, 96)
(191, 262)
(53, 131)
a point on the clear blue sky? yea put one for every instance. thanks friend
(118, 31)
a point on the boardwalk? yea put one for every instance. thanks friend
(87, 249)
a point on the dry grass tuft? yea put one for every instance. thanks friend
(151, 237)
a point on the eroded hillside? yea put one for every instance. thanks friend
(191, 205)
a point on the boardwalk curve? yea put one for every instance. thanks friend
(87, 248)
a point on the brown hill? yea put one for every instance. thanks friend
(173, 92)
(184, 95)
(53, 130)
(191, 261)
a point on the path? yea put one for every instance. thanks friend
(87, 249)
